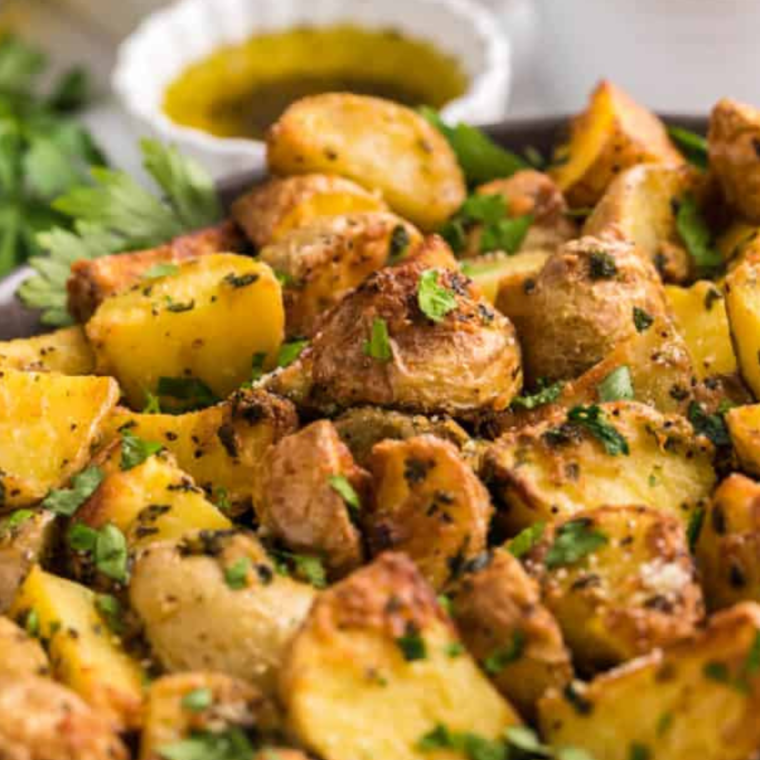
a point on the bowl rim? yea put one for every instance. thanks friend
(496, 73)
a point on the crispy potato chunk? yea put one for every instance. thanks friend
(221, 447)
(427, 503)
(744, 426)
(361, 138)
(733, 141)
(557, 467)
(380, 637)
(66, 351)
(497, 275)
(632, 590)
(728, 549)
(171, 715)
(699, 698)
(613, 133)
(20, 654)
(43, 720)
(194, 324)
(84, 653)
(498, 611)
(48, 425)
(699, 313)
(303, 499)
(324, 260)
(739, 241)
(94, 280)
(215, 602)
(280, 204)
(581, 305)
(743, 309)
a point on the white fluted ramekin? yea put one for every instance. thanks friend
(188, 30)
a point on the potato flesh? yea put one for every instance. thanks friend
(66, 351)
(493, 272)
(20, 654)
(744, 426)
(743, 308)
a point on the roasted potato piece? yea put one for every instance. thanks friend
(427, 503)
(733, 140)
(66, 351)
(179, 705)
(48, 424)
(94, 280)
(640, 205)
(20, 654)
(193, 325)
(324, 260)
(498, 611)
(743, 309)
(380, 637)
(221, 447)
(581, 305)
(613, 133)
(738, 242)
(744, 426)
(182, 591)
(26, 538)
(559, 467)
(311, 486)
(360, 137)
(280, 204)
(84, 653)
(499, 274)
(620, 581)
(699, 698)
(728, 549)
(43, 720)
(699, 313)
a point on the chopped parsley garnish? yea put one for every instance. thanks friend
(240, 280)
(165, 269)
(717, 671)
(231, 744)
(412, 645)
(135, 450)
(639, 752)
(236, 575)
(379, 344)
(289, 352)
(307, 567)
(193, 392)
(152, 404)
(617, 386)
(573, 541)
(695, 235)
(534, 157)
(505, 235)
(455, 649)
(592, 419)
(546, 394)
(602, 266)
(524, 541)
(500, 658)
(642, 320)
(177, 307)
(66, 501)
(16, 519)
(445, 602)
(198, 700)
(32, 623)
(712, 426)
(341, 485)
(692, 145)
(435, 301)
(82, 538)
(111, 553)
(693, 530)
(399, 242)
(109, 608)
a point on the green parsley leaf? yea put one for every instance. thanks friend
(412, 645)
(135, 450)
(602, 266)
(617, 386)
(82, 538)
(110, 609)
(399, 242)
(231, 744)
(694, 529)
(435, 301)
(505, 235)
(664, 722)
(257, 366)
(526, 740)
(692, 145)
(289, 352)
(712, 426)
(167, 269)
(32, 623)
(524, 541)
(573, 541)
(111, 553)
(341, 485)
(445, 602)
(66, 501)
(506, 655)
(152, 404)
(221, 499)
(696, 236)
(639, 752)
(642, 321)
(198, 700)
(194, 393)
(16, 519)
(717, 671)
(379, 344)
(236, 575)
(455, 649)
(472, 746)
(308, 567)
(572, 753)
(534, 157)
(592, 419)
(546, 394)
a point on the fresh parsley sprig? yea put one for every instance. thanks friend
(696, 236)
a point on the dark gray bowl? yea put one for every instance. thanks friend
(16, 321)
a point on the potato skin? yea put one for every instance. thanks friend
(325, 259)
(636, 592)
(497, 608)
(20, 654)
(580, 306)
(733, 139)
(353, 642)
(280, 204)
(427, 503)
(299, 506)
(66, 351)
(667, 703)
(360, 137)
(43, 720)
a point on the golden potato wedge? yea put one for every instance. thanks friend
(21, 655)
(744, 427)
(280, 204)
(743, 308)
(558, 467)
(360, 137)
(733, 139)
(84, 653)
(66, 351)
(380, 637)
(427, 503)
(498, 274)
(192, 325)
(728, 549)
(629, 588)
(613, 133)
(738, 241)
(182, 592)
(43, 720)
(312, 492)
(699, 698)
(94, 280)
(498, 611)
(322, 261)
(49, 424)
(221, 447)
